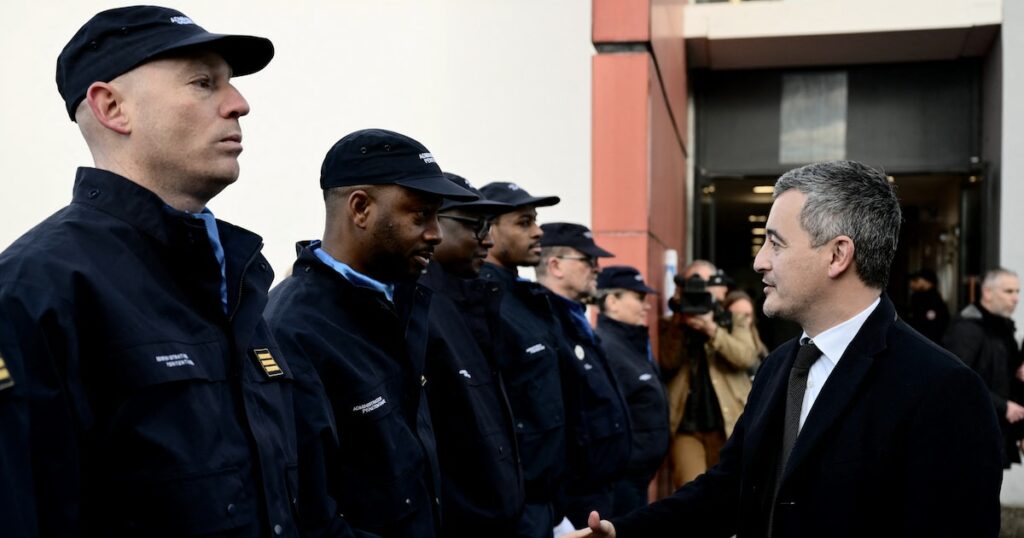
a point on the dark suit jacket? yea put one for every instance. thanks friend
(901, 441)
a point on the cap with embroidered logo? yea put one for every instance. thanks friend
(622, 277)
(116, 41)
(515, 196)
(577, 236)
(381, 157)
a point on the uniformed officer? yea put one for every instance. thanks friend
(482, 489)
(528, 354)
(622, 328)
(159, 403)
(352, 309)
(17, 504)
(596, 414)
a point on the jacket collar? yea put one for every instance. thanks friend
(124, 199)
(979, 314)
(437, 279)
(504, 277)
(636, 335)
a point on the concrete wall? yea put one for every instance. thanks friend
(496, 90)
(1011, 247)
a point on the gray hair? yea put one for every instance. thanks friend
(546, 253)
(849, 198)
(700, 263)
(992, 275)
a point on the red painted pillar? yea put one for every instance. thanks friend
(639, 128)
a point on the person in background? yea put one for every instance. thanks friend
(597, 417)
(528, 353)
(623, 333)
(982, 335)
(481, 480)
(929, 314)
(740, 307)
(708, 356)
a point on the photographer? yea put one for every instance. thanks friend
(706, 354)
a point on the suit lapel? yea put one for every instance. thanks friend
(776, 381)
(843, 383)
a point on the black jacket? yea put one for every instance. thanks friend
(370, 355)
(17, 502)
(626, 347)
(528, 360)
(482, 487)
(149, 411)
(929, 314)
(901, 442)
(597, 418)
(986, 343)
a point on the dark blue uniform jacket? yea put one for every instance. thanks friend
(17, 503)
(596, 413)
(640, 383)
(149, 411)
(482, 489)
(370, 355)
(528, 360)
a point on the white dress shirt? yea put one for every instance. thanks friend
(832, 343)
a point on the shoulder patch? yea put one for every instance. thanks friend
(267, 362)
(6, 380)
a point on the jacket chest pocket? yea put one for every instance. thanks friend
(376, 438)
(168, 406)
(535, 390)
(146, 365)
(382, 474)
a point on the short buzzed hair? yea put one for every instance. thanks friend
(992, 275)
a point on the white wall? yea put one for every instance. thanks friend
(497, 90)
(1011, 248)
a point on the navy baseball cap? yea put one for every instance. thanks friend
(622, 277)
(480, 205)
(515, 196)
(577, 236)
(380, 157)
(116, 41)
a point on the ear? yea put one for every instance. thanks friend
(555, 267)
(360, 207)
(107, 105)
(841, 250)
(611, 302)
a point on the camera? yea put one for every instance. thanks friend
(695, 298)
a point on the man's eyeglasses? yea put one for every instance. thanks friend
(481, 226)
(592, 262)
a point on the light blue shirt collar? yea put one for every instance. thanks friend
(210, 223)
(353, 276)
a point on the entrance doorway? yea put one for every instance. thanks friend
(939, 232)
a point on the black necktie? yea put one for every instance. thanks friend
(805, 357)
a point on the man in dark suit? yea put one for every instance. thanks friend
(862, 427)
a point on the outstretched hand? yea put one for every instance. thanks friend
(596, 527)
